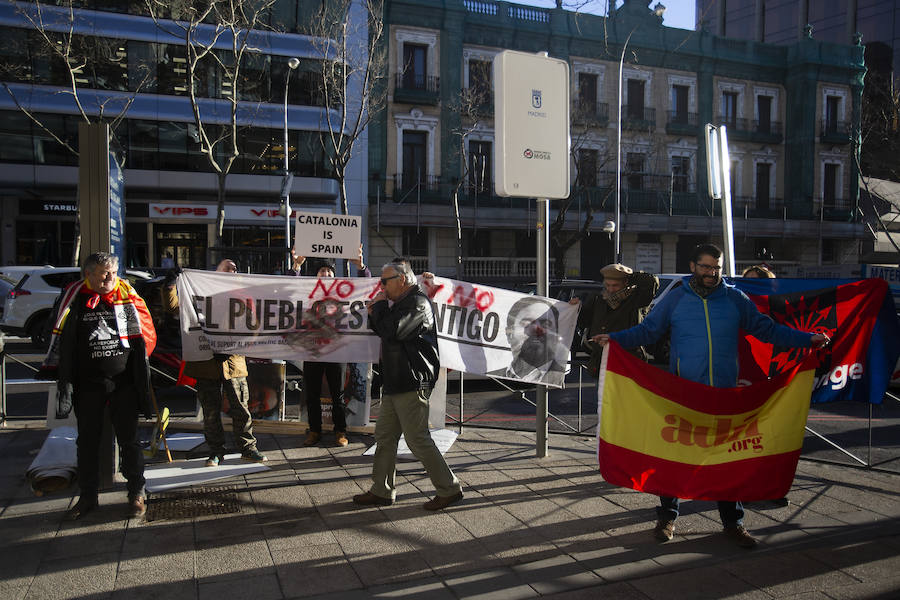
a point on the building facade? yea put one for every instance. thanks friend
(129, 59)
(789, 110)
(785, 21)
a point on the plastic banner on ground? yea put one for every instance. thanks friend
(481, 330)
(668, 436)
(858, 316)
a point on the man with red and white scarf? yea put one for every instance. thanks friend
(102, 337)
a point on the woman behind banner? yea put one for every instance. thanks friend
(314, 371)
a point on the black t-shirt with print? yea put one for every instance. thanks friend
(101, 356)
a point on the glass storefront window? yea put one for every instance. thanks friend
(15, 128)
(47, 151)
(15, 62)
(173, 146)
(143, 145)
(141, 66)
(44, 242)
(171, 69)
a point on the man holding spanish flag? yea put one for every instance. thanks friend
(705, 317)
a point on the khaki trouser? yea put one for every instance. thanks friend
(209, 392)
(407, 413)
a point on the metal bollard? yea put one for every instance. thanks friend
(462, 412)
(2, 384)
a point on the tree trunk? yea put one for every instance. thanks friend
(459, 266)
(220, 209)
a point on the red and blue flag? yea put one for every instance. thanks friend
(859, 317)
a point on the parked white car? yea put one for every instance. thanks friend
(30, 302)
(15, 272)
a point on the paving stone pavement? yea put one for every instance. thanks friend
(527, 528)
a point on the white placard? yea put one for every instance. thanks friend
(531, 118)
(648, 257)
(327, 235)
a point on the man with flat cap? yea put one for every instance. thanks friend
(622, 304)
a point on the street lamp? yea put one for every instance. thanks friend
(292, 64)
(658, 10)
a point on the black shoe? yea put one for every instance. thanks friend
(442, 502)
(84, 505)
(370, 499)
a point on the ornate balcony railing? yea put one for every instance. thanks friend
(499, 268)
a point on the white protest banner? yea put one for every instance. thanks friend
(504, 334)
(481, 330)
(273, 316)
(327, 235)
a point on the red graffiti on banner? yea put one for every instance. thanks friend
(342, 288)
(481, 299)
(375, 290)
(431, 288)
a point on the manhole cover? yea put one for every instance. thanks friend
(193, 502)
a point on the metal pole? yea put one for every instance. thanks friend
(870, 437)
(543, 288)
(462, 400)
(2, 387)
(619, 155)
(727, 222)
(288, 179)
(580, 370)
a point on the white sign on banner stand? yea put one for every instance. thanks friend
(327, 235)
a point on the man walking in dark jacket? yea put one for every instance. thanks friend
(409, 368)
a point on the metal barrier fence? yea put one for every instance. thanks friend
(16, 385)
(574, 426)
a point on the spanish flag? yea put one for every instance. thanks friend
(664, 435)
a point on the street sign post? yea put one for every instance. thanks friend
(718, 165)
(531, 155)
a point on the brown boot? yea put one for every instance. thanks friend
(340, 438)
(312, 438)
(741, 537)
(137, 507)
(664, 530)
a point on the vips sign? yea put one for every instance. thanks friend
(532, 121)
(327, 235)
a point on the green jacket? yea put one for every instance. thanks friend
(598, 317)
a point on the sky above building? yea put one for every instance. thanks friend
(679, 13)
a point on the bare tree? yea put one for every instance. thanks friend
(80, 61)
(468, 107)
(219, 37)
(349, 37)
(584, 119)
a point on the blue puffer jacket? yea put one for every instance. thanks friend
(704, 340)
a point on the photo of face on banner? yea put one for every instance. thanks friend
(537, 349)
